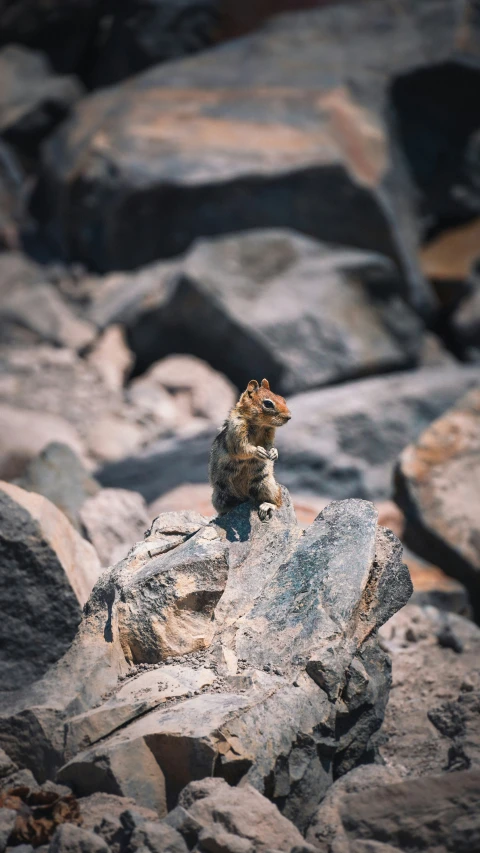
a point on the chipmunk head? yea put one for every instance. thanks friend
(263, 407)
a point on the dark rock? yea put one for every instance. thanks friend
(216, 591)
(74, 839)
(220, 151)
(33, 100)
(63, 29)
(437, 485)
(430, 715)
(49, 571)
(59, 475)
(365, 425)
(466, 323)
(231, 302)
(447, 639)
(147, 33)
(7, 766)
(13, 198)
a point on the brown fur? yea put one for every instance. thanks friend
(243, 454)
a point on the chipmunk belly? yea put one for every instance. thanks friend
(250, 473)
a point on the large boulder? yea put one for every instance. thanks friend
(341, 441)
(33, 99)
(48, 574)
(268, 302)
(299, 138)
(438, 488)
(186, 623)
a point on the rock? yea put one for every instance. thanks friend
(33, 99)
(426, 675)
(63, 30)
(51, 572)
(149, 33)
(195, 496)
(224, 815)
(364, 426)
(198, 391)
(287, 143)
(230, 301)
(156, 836)
(326, 831)
(112, 358)
(25, 434)
(113, 520)
(449, 257)
(59, 475)
(7, 822)
(432, 586)
(186, 615)
(96, 807)
(74, 839)
(38, 813)
(434, 813)
(466, 324)
(437, 485)
(7, 766)
(13, 197)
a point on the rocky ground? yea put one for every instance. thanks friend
(194, 194)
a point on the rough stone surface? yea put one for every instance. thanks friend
(49, 572)
(59, 475)
(74, 839)
(438, 813)
(226, 815)
(436, 678)
(182, 616)
(341, 441)
(438, 488)
(291, 142)
(113, 520)
(7, 822)
(33, 100)
(231, 301)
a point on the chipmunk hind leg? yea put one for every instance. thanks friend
(223, 501)
(268, 494)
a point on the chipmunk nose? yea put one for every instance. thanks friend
(287, 417)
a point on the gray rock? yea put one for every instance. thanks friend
(231, 302)
(324, 165)
(7, 766)
(156, 836)
(69, 838)
(49, 572)
(437, 485)
(466, 325)
(7, 822)
(59, 475)
(13, 198)
(341, 441)
(153, 32)
(316, 687)
(33, 99)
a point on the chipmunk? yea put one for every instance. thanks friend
(242, 455)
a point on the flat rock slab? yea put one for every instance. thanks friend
(208, 634)
(438, 488)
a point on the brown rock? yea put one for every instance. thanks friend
(24, 434)
(426, 674)
(438, 488)
(114, 519)
(112, 358)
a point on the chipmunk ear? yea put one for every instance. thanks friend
(266, 384)
(252, 386)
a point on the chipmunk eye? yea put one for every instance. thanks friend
(267, 404)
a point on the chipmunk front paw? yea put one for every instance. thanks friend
(262, 453)
(273, 454)
(265, 511)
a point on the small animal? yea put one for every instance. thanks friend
(243, 453)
